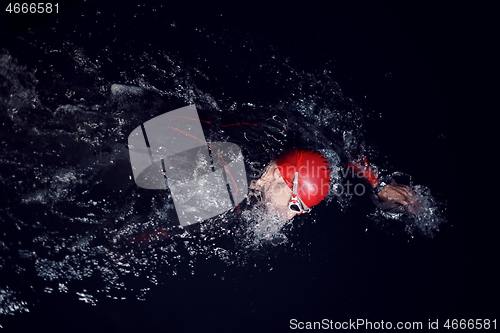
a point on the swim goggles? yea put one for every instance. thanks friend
(295, 204)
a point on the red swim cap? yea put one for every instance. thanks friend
(314, 174)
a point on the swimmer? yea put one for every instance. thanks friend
(300, 179)
(297, 181)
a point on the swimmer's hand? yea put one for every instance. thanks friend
(399, 195)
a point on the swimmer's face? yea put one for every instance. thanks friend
(278, 195)
(276, 191)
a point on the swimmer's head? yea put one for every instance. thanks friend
(295, 182)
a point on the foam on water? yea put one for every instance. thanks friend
(264, 226)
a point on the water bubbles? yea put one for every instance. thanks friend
(263, 226)
(62, 288)
(427, 217)
(87, 298)
(10, 304)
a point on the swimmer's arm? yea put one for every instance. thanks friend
(363, 168)
(390, 193)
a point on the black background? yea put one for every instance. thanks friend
(426, 69)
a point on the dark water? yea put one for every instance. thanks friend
(378, 76)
